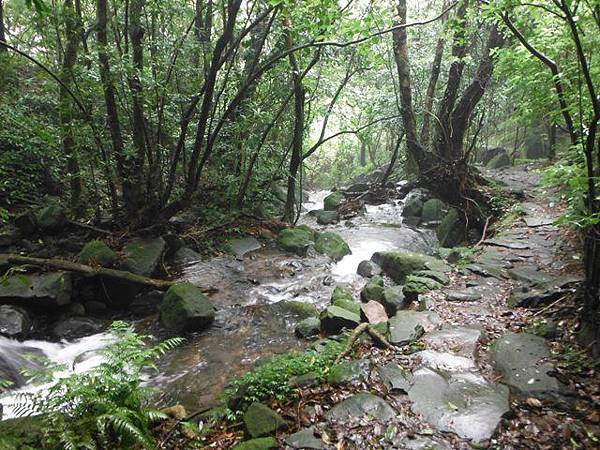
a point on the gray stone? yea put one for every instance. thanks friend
(305, 439)
(244, 245)
(334, 319)
(459, 402)
(534, 222)
(408, 326)
(76, 327)
(184, 307)
(460, 340)
(186, 255)
(421, 443)
(507, 242)
(48, 289)
(529, 274)
(308, 327)
(520, 359)
(463, 295)
(416, 285)
(394, 300)
(260, 420)
(143, 256)
(52, 218)
(499, 161)
(14, 322)
(486, 155)
(346, 372)
(361, 406)
(373, 312)
(395, 378)
(326, 217)
(368, 269)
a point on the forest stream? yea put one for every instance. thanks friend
(253, 320)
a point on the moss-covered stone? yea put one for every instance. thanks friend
(332, 245)
(184, 307)
(438, 276)
(349, 305)
(52, 218)
(260, 420)
(143, 256)
(451, 230)
(327, 217)
(300, 309)
(257, 444)
(393, 300)
(296, 240)
(308, 327)
(416, 285)
(334, 319)
(434, 210)
(373, 290)
(97, 253)
(342, 292)
(398, 265)
(349, 371)
(333, 200)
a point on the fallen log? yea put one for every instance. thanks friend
(89, 271)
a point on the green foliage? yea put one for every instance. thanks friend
(103, 408)
(270, 380)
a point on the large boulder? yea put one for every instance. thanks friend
(184, 307)
(14, 322)
(296, 240)
(399, 264)
(486, 155)
(434, 210)
(75, 328)
(373, 290)
(333, 201)
(499, 161)
(451, 231)
(342, 297)
(260, 420)
(332, 245)
(408, 326)
(33, 290)
(334, 319)
(368, 269)
(97, 253)
(326, 217)
(143, 256)
(52, 218)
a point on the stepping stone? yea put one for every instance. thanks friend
(361, 406)
(534, 222)
(395, 378)
(446, 362)
(421, 443)
(459, 402)
(347, 372)
(244, 245)
(260, 420)
(513, 244)
(460, 340)
(373, 312)
(530, 275)
(408, 326)
(305, 439)
(463, 295)
(487, 270)
(520, 359)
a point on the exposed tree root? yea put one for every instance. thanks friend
(362, 328)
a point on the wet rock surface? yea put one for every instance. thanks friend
(360, 406)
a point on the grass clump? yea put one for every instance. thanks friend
(270, 380)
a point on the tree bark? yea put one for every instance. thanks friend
(66, 108)
(3, 49)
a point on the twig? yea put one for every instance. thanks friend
(485, 227)
(90, 227)
(546, 308)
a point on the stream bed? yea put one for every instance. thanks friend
(253, 320)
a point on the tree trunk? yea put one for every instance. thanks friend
(66, 108)
(3, 49)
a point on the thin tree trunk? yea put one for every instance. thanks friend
(67, 111)
(3, 49)
(433, 80)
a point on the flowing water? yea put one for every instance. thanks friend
(252, 321)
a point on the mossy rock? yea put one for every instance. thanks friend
(334, 319)
(332, 245)
(416, 285)
(394, 300)
(450, 231)
(398, 265)
(266, 443)
(346, 372)
(440, 277)
(309, 327)
(373, 290)
(300, 309)
(499, 161)
(349, 305)
(260, 420)
(97, 253)
(434, 210)
(333, 200)
(342, 293)
(143, 256)
(52, 218)
(184, 307)
(296, 240)
(327, 217)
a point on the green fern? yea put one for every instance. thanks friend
(104, 408)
